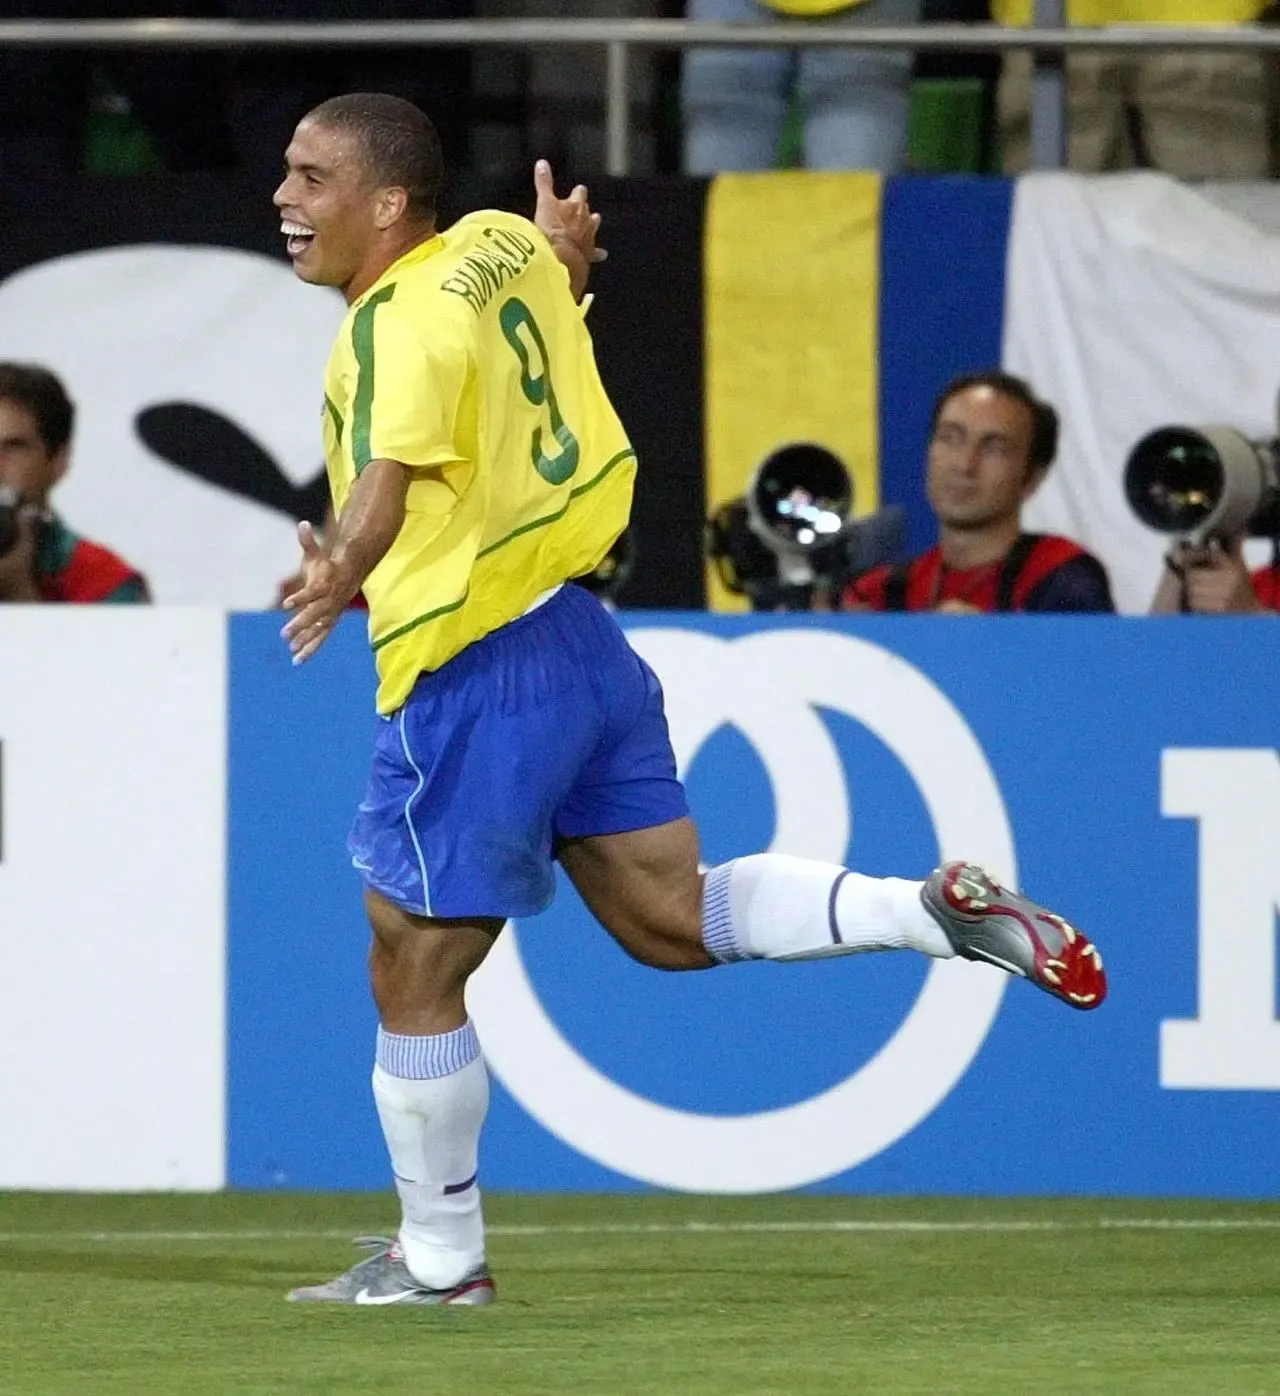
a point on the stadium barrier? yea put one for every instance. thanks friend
(182, 991)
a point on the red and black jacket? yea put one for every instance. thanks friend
(1040, 572)
(70, 568)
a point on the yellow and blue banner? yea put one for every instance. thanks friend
(835, 307)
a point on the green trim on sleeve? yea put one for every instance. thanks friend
(334, 416)
(362, 406)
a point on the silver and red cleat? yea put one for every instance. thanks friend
(984, 921)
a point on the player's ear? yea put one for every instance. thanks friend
(391, 206)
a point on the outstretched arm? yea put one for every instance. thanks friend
(569, 226)
(333, 571)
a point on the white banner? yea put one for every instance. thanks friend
(112, 898)
(1134, 302)
(197, 373)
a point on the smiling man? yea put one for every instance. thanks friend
(991, 444)
(477, 467)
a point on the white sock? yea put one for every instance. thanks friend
(432, 1094)
(770, 906)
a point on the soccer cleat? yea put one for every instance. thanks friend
(984, 921)
(384, 1278)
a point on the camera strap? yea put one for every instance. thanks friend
(1011, 569)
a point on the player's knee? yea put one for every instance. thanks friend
(419, 961)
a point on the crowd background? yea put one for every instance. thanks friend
(110, 150)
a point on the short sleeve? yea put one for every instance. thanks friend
(1079, 584)
(409, 388)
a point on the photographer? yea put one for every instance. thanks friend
(991, 443)
(790, 542)
(1213, 579)
(41, 559)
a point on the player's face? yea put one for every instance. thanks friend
(978, 459)
(27, 465)
(327, 207)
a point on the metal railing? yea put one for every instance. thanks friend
(1049, 41)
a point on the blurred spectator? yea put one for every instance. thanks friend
(1199, 115)
(203, 110)
(1214, 580)
(272, 89)
(41, 558)
(853, 102)
(46, 95)
(991, 444)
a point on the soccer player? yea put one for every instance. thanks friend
(477, 467)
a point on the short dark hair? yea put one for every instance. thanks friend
(1044, 420)
(43, 395)
(400, 145)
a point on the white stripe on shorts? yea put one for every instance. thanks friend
(408, 813)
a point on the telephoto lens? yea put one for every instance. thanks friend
(1205, 482)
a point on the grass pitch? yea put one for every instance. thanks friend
(650, 1296)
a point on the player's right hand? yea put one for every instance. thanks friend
(324, 594)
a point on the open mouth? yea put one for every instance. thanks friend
(297, 237)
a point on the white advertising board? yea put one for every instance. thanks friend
(112, 898)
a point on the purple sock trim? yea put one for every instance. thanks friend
(718, 935)
(833, 924)
(426, 1058)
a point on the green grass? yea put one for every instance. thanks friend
(89, 1303)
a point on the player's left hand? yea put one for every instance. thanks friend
(568, 225)
(323, 595)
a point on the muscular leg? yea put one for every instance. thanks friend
(419, 967)
(646, 889)
(430, 1084)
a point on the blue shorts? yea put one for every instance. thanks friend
(550, 728)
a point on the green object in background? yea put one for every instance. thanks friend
(944, 126)
(115, 141)
(791, 141)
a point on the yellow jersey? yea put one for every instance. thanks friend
(1088, 13)
(811, 9)
(468, 362)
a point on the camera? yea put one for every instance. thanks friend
(790, 535)
(1205, 482)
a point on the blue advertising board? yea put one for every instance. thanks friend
(1123, 771)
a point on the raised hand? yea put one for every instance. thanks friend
(568, 225)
